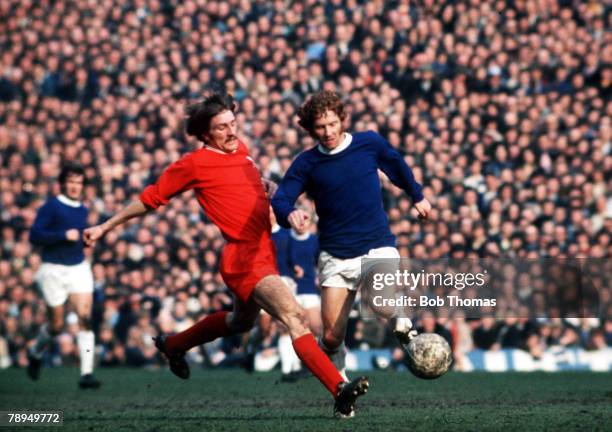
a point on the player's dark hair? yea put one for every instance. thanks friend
(200, 113)
(317, 105)
(70, 169)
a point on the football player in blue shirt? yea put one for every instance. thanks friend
(65, 274)
(341, 175)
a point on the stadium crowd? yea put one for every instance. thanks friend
(502, 109)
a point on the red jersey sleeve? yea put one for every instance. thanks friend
(177, 178)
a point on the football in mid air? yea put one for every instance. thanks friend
(428, 356)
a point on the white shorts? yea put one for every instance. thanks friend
(309, 301)
(346, 273)
(58, 281)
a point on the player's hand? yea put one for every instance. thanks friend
(423, 207)
(73, 235)
(298, 271)
(92, 234)
(270, 187)
(298, 220)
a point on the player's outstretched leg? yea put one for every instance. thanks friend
(174, 347)
(275, 298)
(178, 364)
(216, 325)
(348, 393)
(403, 331)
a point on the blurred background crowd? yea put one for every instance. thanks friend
(502, 109)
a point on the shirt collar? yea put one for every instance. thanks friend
(297, 236)
(216, 150)
(68, 201)
(343, 145)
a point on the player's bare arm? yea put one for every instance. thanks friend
(270, 187)
(132, 210)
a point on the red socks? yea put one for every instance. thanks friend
(205, 330)
(306, 347)
(320, 365)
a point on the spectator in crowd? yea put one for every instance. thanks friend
(140, 350)
(486, 335)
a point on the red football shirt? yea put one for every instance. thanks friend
(227, 185)
(229, 188)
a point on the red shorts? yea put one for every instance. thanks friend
(244, 264)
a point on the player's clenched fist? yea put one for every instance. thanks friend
(297, 219)
(90, 235)
(73, 235)
(423, 207)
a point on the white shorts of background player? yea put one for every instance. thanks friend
(307, 301)
(58, 281)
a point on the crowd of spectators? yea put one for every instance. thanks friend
(502, 109)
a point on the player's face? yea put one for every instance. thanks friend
(222, 132)
(328, 130)
(73, 187)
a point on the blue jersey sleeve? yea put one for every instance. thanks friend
(42, 232)
(290, 188)
(393, 165)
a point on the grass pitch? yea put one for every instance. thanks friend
(232, 400)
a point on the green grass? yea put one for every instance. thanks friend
(231, 400)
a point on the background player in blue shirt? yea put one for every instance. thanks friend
(303, 253)
(341, 175)
(64, 274)
(297, 253)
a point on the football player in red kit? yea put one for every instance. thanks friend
(228, 186)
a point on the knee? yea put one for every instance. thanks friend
(332, 339)
(55, 328)
(85, 322)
